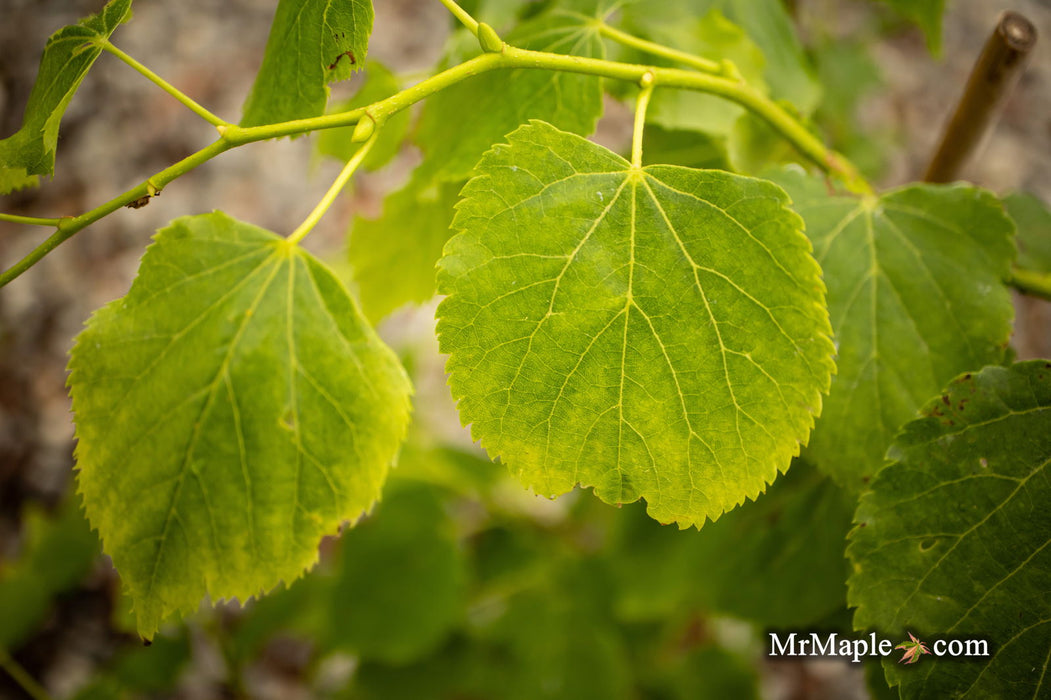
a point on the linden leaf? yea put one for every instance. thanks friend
(312, 43)
(793, 534)
(231, 410)
(69, 54)
(758, 35)
(1032, 217)
(394, 256)
(916, 296)
(653, 332)
(954, 538)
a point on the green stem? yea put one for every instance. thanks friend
(743, 94)
(232, 136)
(687, 59)
(641, 104)
(341, 181)
(32, 220)
(1031, 282)
(68, 226)
(165, 85)
(22, 677)
(462, 15)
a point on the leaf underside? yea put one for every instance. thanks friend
(916, 296)
(231, 410)
(69, 54)
(954, 539)
(657, 332)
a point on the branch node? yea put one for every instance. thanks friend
(364, 130)
(489, 39)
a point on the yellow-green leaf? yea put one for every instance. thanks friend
(69, 54)
(653, 332)
(231, 410)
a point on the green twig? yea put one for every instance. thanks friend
(1031, 282)
(686, 59)
(734, 90)
(641, 104)
(31, 220)
(232, 136)
(22, 677)
(166, 86)
(463, 15)
(341, 181)
(71, 225)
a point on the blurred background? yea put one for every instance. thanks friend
(488, 552)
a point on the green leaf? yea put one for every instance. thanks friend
(954, 538)
(394, 256)
(710, 673)
(849, 73)
(378, 609)
(560, 640)
(916, 295)
(691, 149)
(926, 14)
(794, 535)
(69, 53)
(231, 410)
(57, 552)
(460, 123)
(768, 27)
(312, 43)
(1032, 218)
(657, 332)
(380, 84)
(754, 146)
(787, 70)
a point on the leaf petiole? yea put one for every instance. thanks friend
(647, 83)
(704, 65)
(31, 220)
(166, 86)
(462, 15)
(1031, 282)
(341, 181)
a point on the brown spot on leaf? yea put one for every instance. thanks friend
(348, 54)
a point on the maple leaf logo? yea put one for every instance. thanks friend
(913, 650)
